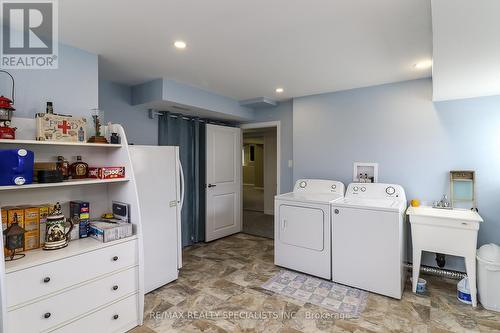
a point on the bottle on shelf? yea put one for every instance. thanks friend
(115, 138)
(63, 166)
(50, 108)
(79, 169)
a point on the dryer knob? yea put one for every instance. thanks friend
(390, 190)
(303, 184)
(336, 211)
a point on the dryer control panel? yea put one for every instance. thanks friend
(375, 191)
(319, 186)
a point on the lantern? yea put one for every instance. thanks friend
(6, 109)
(14, 239)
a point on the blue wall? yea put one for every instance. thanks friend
(415, 141)
(284, 113)
(73, 87)
(115, 102)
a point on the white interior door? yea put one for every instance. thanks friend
(223, 182)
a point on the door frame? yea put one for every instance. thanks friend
(266, 124)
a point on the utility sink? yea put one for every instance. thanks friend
(447, 231)
(444, 218)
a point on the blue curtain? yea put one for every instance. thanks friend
(189, 135)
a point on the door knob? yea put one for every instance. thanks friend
(211, 185)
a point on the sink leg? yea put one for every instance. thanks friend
(417, 255)
(470, 263)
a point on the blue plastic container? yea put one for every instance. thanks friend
(16, 167)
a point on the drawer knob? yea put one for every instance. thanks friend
(115, 258)
(115, 287)
(47, 315)
(46, 280)
(115, 317)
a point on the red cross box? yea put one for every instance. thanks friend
(52, 127)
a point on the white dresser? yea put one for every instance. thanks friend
(88, 284)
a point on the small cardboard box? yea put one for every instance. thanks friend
(20, 216)
(4, 218)
(31, 218)
(52, 127)
(109, 231)
(32, 240)
(4, 226)
(81, 209)
(44, 210)
(106, 172)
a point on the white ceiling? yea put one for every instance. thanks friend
(466, 38)
(245, 49)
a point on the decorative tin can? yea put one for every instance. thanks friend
(51, 127)
(56, 236)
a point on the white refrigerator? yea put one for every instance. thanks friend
(160, 186)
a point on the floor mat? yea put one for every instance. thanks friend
(344, 300)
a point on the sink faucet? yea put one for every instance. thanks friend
(444, 203)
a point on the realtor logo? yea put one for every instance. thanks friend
(29, 34)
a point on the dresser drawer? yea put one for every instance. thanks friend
(118, 317)
(34, 282)
(65, 306)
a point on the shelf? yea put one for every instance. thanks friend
(75, 182)
(59, 143)
(76, 247)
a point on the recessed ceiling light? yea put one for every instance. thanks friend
(180, 44)
(423, 64)
(279, 90)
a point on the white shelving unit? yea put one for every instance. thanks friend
(54, 143)
(71, 182)
(89, 263)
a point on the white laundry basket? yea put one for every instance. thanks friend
(488, 275)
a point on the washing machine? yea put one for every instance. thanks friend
(369, 238)
(302, 226)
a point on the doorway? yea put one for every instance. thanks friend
(260, 161)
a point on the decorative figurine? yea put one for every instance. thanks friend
(6, 109)
(97, 138)
(56, 237)
(14, 239)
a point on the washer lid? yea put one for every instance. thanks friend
(390, 205)
(321, 198)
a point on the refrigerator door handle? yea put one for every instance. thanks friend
(182, 184)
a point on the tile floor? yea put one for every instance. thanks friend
(219, 291)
